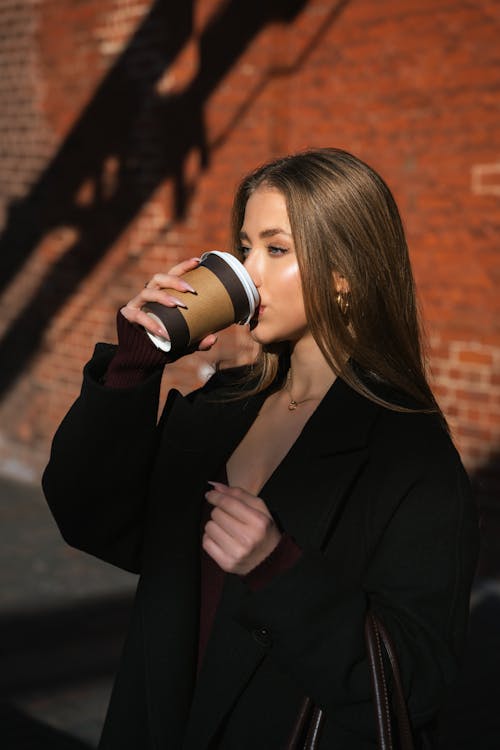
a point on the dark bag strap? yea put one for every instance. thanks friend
(306, 732)
(376, 635)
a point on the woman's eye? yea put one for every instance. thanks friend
(274, 250)
(244, 251)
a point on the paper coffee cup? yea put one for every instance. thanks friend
(225, 294)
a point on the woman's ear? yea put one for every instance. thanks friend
(341, 283)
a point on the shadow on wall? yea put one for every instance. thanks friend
(126, 117)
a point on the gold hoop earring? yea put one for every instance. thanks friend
(342, 300)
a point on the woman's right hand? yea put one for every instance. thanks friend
(154, 291)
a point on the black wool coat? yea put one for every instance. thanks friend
(381, 506)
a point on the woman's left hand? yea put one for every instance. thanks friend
(241, 531)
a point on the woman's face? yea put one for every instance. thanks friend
(270, 259)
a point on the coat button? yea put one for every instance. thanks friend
(262, 636)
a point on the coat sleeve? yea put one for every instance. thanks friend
(96, 481)
(420, 538)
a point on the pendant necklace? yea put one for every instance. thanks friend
(293, 404)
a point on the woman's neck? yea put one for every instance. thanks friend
(310, 376)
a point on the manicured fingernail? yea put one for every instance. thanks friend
(216, 484)
(163, 333)
(179, 303)
(187, 286)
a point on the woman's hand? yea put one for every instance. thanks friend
(154, 291)
(241, 532)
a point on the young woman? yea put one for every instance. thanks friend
(268, 510)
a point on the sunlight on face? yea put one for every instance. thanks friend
(270, 259)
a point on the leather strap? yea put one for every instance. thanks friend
(379, 684)
(377, 636)
(307, 729)
(300, 728)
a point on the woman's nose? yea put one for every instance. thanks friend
(252, 266)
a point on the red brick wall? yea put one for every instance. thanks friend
(126, 125)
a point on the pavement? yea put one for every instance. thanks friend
(63, 617)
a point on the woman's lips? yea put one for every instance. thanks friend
(258, 312)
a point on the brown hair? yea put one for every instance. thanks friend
(344, 218)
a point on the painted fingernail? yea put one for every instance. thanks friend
(217, 484)
(179, 303)
(163, 333)
(187, 286)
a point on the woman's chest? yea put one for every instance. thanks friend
(265, 445)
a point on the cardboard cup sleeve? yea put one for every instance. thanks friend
(225, 294)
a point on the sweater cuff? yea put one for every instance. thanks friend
(284, 556)
(136, 357)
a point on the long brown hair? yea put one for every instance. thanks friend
(344, 218)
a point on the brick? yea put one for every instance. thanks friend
(476, 358)
(323, 79)
(473, 395)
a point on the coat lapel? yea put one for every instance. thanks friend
(306, 491)
(306, 494)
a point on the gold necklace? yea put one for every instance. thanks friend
(292, 405)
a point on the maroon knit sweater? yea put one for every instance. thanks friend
(135, 359)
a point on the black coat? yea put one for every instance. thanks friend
(377, 499)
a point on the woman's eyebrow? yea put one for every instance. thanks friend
(266, 233)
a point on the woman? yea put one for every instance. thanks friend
(333, 485)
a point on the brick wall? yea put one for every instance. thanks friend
(125, 126)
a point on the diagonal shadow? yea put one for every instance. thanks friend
(104, 128)
(138, 117)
